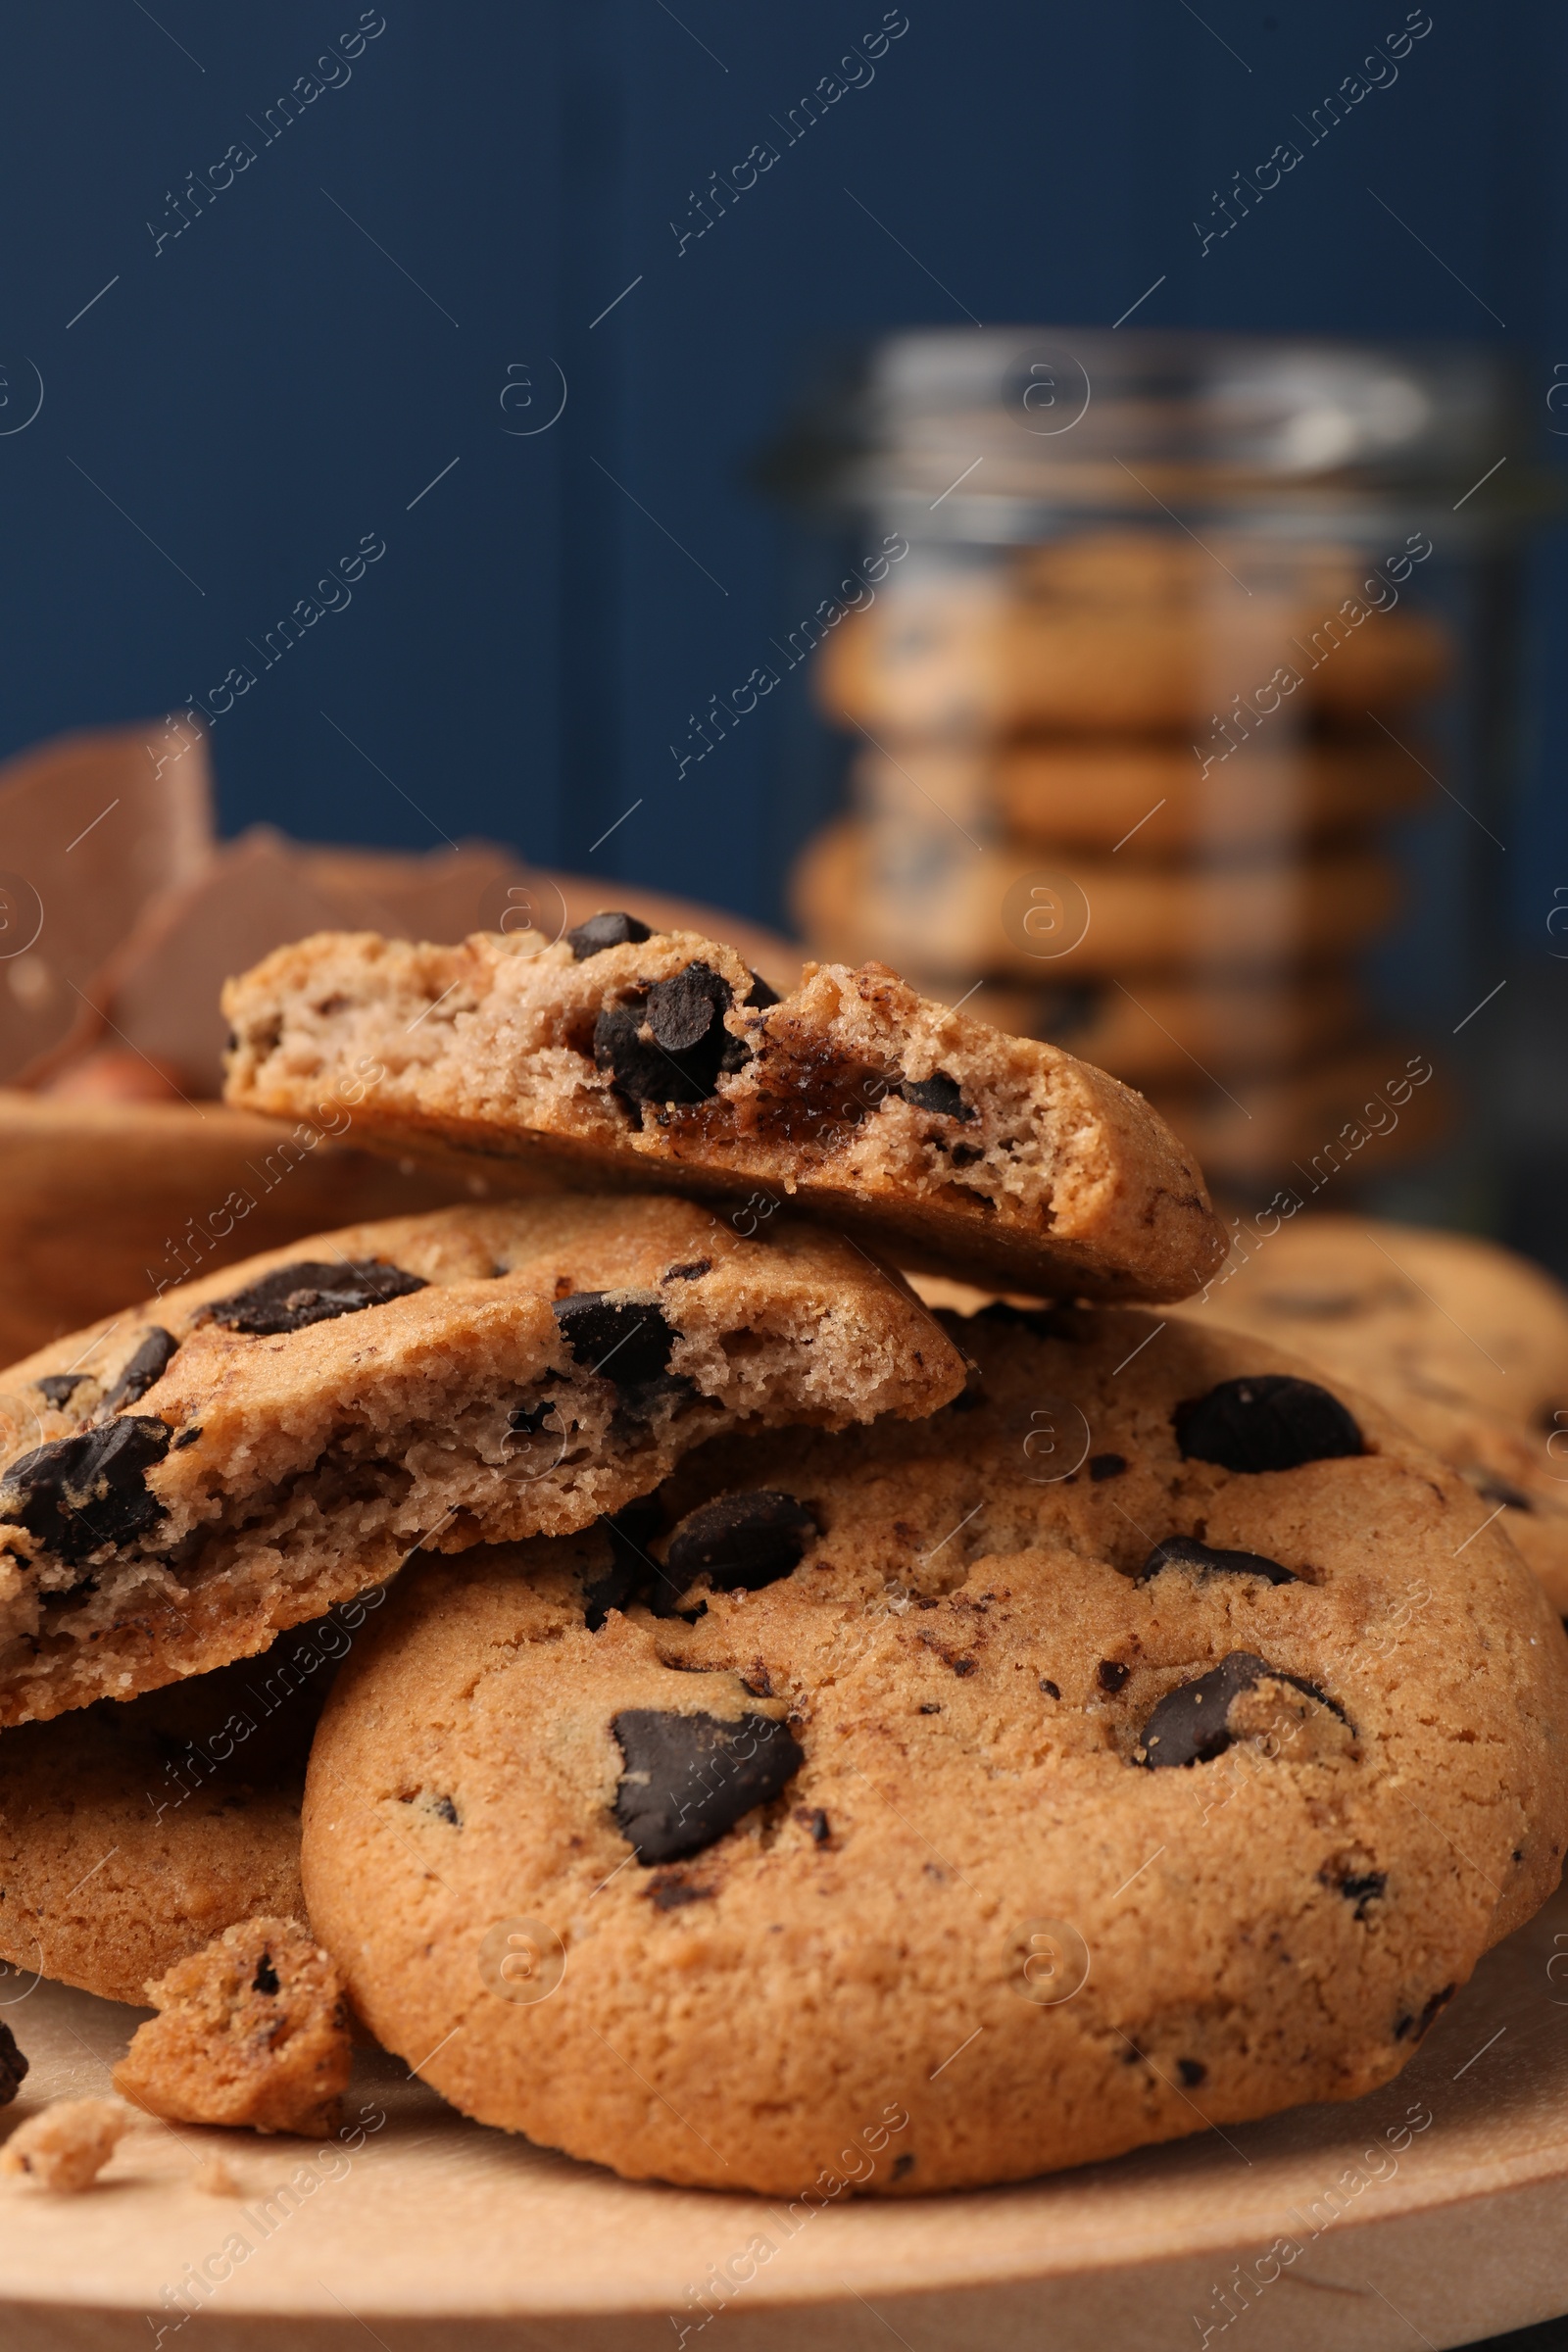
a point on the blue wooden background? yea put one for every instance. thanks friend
(365, 329)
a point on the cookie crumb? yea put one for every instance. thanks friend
(67, 2145)
(252, 2030)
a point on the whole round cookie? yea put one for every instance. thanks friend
(133, 1830)
(180, 1484)
(1123, 1752)
(1464, 1340)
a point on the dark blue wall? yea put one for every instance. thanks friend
(335, 327)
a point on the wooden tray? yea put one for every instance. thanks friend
(437, 2234)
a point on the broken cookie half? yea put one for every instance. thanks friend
(182, 1482)
(661, 1060)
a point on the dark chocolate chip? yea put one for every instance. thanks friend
(670, 1893)
(964, 1665)
(1497, 1488)
(88, 1491)
(445, 1811)
(816, 1821)
(744, 1539)
(13, 2067)
(629, 1343)
(684, 1010)
(187, 1437)
(1111, 1675)
(1273, 1422)
(145, 1368)
(56, 1387)
(315, 1290)
(689, 1779)
(698, 1266)
(1107, 1466)
(1359, 1887)
(669, 1046)
(938, 1093)
(760, 995)
(902, 2166)
(1185, 1552)
(266, 1979)
(1439, 2000)
(1048, 1688)
(929, 1706)
(1192, 2071)
(630, 1569)
(603, 931)
(1188, 1726)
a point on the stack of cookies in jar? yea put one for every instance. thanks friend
(700, 1702)
(1133, 791)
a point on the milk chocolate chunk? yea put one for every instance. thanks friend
(314, 1291)
(601, 931)
(689, 1779)
(1185, 1552)
(144, 1370)
(84, 1492)
(1273, 1422)
(742, 1540)
(629, 1343)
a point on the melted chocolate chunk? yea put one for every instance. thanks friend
(13, 2067)
(671, 1045)
(603, 931)
(629, 1343)
(315, 1290)
(671, 1893)
(1359, 1887)
(1439, 2000)
(88, 1491)
(1111, 1675)
(1188, 1726)
(1185, 1552)
(1107, 1466)
(744, 1539)
(266, 1979)
(145, 1369)
(630, 1570)
(689, 1779)
(940, 1093)
(1273, 1422)
(57, 1386)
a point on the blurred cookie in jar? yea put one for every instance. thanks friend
(1007, 911)
(1125, 631)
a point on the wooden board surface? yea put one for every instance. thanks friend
(431, 2232)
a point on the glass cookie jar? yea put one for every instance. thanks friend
(1179, 706)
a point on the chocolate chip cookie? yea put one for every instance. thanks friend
(1124, 1750)
(181, 1484)
(660, 1061)
(1465, 1341)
